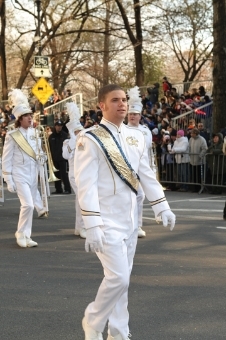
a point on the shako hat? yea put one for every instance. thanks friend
(74, 116)
(20, 103)
(134, 101)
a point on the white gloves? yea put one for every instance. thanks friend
(41, 159)
(10, 185)
(167, 217)
(72, 143)
(95, 239)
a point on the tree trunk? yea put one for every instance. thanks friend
(106, 46)
(137, 40)
(219, 65)
(2, 51)
(139, 46)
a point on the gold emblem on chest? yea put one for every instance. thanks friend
(132, 141)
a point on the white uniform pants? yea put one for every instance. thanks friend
(38, 202)
(27, 196)
(140, 200)
(112, 297)
(79, 224)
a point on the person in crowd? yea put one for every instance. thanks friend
(109, 159)
(153, 93)
(167, 162)
(166, 86)
(21, 159)
(181, 151)
(197, 150)
(216, 163)
(204, 133)
(174, 93)
(56, 140)
(134, 117)
(202, 91)
(74, 127)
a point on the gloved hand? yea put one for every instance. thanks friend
(95, 239)
(11, 186)
(72, 143)
(167, 217)
(41, 159)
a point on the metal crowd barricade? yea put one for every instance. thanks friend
(215, 173)
(200, 114)
(209, 175)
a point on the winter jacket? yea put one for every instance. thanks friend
(215, 158)
(197, 150)
(181, 150)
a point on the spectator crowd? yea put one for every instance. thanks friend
(181, 147)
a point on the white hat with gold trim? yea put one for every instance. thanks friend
(134, 101)
(74, 115)
(20, 103)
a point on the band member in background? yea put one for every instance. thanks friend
(111, 159)
(21, 159)
(74, 127)
(134, 116)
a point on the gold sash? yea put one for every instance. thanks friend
(116, 157)
(23, 143)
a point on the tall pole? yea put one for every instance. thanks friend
(38, 3)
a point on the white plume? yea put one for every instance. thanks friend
(17, 97)
(73, 112)
(134, 96)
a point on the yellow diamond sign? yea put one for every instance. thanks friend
(42, 90)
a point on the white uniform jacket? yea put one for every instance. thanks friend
(17, 162)
(68, 150)
(103, 197)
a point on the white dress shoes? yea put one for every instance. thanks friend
(43, 213)
(21, 239)
(141, 232)
(24, 241)
(31, 243)
(82, 233)
(90, 333)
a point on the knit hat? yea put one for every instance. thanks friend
(155, 131)
(134, 101)
(180, 132)
(74, 115)
(20, 103)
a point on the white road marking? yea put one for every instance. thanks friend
(183, 209)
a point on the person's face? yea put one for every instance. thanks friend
(215, 139)
(200, 126)
(133, 119)
(26, 121)
(114, 107)
(58, 128)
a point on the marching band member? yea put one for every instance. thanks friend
(111, 159)
(20, 163)
(74, 127)
(134, 116)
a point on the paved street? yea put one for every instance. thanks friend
(178, 283)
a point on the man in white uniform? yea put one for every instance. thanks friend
(74, 127)
(134, 116)
(111, 159)
(22, 156)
